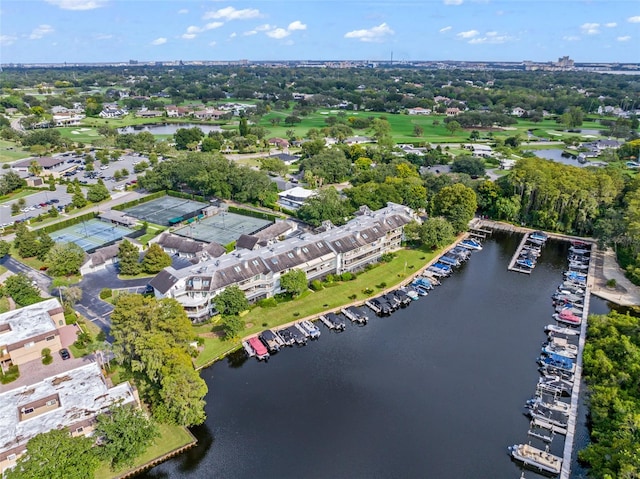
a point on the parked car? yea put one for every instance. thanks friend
(64, 354)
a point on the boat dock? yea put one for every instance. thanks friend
(513, 265)
(354, 316)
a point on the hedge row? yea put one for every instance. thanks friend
(254, 214)
(186, 196)
(144, 199)
(69, 222)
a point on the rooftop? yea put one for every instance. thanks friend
(28, 322)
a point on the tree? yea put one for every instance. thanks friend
(294, 282)
(418, 130)
(155, 259)
(10, 181)
(78, 200)
(25, 241)
(98, 192)
(45, 243)
(232, 326)
(243, 127)
(453, 127)
(125, 433)
(35, 168)
(209, 144)
(20, 288)
(184, 136)
(332, 165)
(382, 132)
(71, 295)
(56, 455)
(291, 120)
(273, 165)
(65, 259)
(457, 203)
(128, 256)
(5, 247)
(573, 117)
(231, 301)
(469, 165)
(475, 135)
(326, 205)
(436, 232)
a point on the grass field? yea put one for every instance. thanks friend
(171, 438)
(9, 151)
(15, 195)
(406, 263)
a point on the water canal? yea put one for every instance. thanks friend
(436, 390)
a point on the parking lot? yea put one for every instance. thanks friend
(106, 172)
(38, 203)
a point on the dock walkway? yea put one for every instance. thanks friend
(513, 265)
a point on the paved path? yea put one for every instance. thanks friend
(42, 280)
(625, 293)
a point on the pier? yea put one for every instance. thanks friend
(513, 265)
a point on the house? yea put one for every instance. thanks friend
(71, 399)
(112, 111)
(25, 332)
(100, 259)
(176, 111)
(507, 164)
(358, 140)
(189, 248)
(68, 118)
(249, 242)
(280, 143)
(419, 111)
(286, 158)
(517, 111)
(47, 163)
(148, 113)
(209, 114)
(295, 197)
(257, 272)
(480, 150)
(452, 111)
(118, 218)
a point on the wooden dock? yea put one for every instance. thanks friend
(513, 265)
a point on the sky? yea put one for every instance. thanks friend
(55, 31)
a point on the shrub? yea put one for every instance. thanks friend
(381, 285)
(268, 303)
(612, 283)
(316, 285)
(296, 314)
(346, 276)
(387, 257)
(330, 278)
(367, 291)
(106, 293)
(353, 296)
(47, 359)
(11, 374)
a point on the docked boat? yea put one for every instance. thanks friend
(354, 315)
(471, 244)
(412, 293)
(578, 266)
(536, 458)
(459, 253)
(539, 236)
(552, 416)
(392, 300)
(554, 385)
(567, 317)
(552, 328)
(259, 348)
(311, 329)
(299, 336)
(433, 281)
(563, 407)
(333, 321)
(287, 338)
(449, 260)
(424, 282)
(438, 273)
(547, 370)
(403, 297)
(248, 349)
(580, 251)
(559, 362)
(525, 263)
(441, 266)
(271, 340)
(421, 290)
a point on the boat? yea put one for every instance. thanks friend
(567, 317)
(559, 362)
(536, 458)
(554, 385)
(580, 244)
(248, 349)
(563, 407)
(547, 370)
(581, 251)
(449, 260)
(391, 300)
(311, 329)
(424, 282)
(438, 273)
(539, 236)
(354, 315)
(552, 328)
(459, 253)
(299, 337)
(403, 297)
(433, 281)
(412, 293)
(446, 268)
(526, 263)
(287, 338)
(421, 290)
(271, 340)
(333, 321)
(577, 266)
(552, 416)
(471, 244)
(259, 348)
(559, 351)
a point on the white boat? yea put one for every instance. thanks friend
(471, 244)
(552, 328)
(536, 458)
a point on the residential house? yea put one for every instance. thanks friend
(286, 158)
(177, 111)
(295, 197)
(25, 332)
(189, 248)
(517, 111)
(480, 150)
(71, 399)
(257, 272)
(419, 111)
(453, 111)
(280, 143)
(149, 113)
(209, 114)
(100, 259)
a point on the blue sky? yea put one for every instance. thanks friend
(152, 30)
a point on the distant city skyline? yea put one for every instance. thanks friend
(96, 31)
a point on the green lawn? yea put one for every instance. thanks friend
(314, 303)
(16, 195)
(9, 151)
(171, 438)
(4, 305)
(152, 232)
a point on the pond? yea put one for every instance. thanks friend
(167, 128)
(559, 156)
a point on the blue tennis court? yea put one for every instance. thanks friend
(91, 234)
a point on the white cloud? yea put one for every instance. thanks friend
(278, 33)
(611, 24)
(297, 25)
(213, 25)
(103, 36)
(375, 34)
(635, 19)
(233, 35)
(40, 31)
(570, 38)
(590, 28)
(445, 29)
(491, 38)
(78, 4)
(230, 13)
(193, 29)
(159, 41)
(6, 40)
(625, 38)
(213, 44)
(182, 11)
(453, 2)
(468, 34)
(189, 36)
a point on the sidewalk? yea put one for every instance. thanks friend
(625, 293)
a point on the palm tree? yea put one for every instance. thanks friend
(35, 168)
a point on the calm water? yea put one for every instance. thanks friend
(556, 155)
(167, 128)
(434, 391)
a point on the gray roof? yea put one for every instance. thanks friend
(295, 254)
(44, 161)
(22, 324)
(102, 255)
(246, 242)
(164, 280)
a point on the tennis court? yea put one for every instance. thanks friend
(166, 211)
(90, 235)
(222, 228)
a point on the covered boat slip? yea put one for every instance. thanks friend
(524, 259)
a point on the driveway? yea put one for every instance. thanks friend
(42, 280)
(91, 306)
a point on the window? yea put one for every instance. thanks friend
(364, 235)
(305, 249)
(274, 260)
(320, 245)
(255, 262)
(80, 430)
(50, 338)
(236, 269)
(290, 254)
(27, 410)
(338, 243)
(11, 457)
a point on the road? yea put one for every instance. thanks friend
(42, 280)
